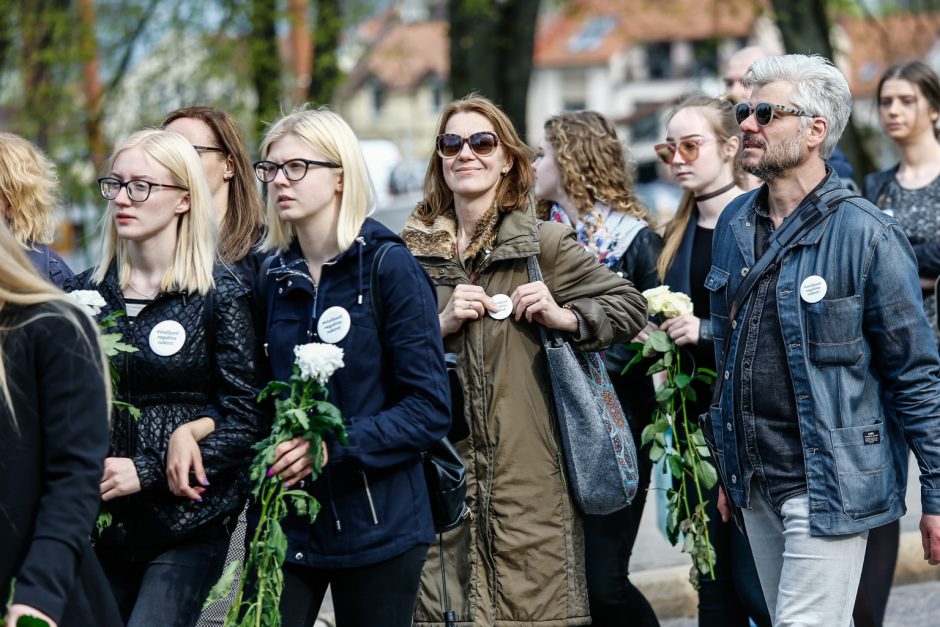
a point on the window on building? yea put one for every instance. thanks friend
(437, 93)
(573, 89)
(659, 60)
(379, 95)
(645, 126)
(591, 34)
(705, 57)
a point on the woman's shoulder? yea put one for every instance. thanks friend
(56, 318)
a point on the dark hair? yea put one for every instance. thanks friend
(916, 73)
(512, 191)
(241, 228)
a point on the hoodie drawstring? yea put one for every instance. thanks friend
(362, 244)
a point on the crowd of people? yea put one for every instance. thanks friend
(814, 304)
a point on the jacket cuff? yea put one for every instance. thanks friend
(149, 472)
(930, 501)
(583, 332)
(705, 333)
(47, 577)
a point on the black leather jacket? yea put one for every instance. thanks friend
(212, 374)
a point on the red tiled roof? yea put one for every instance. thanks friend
(405, 56)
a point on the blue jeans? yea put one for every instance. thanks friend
(169, 589)
(808, 581)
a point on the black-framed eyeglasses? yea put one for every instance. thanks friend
(294, 170)
(202, 149)
(482, 144)
(764, 112)
(137, 189)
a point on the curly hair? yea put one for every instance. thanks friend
(593, 164)
(30, 184)
(512, 191)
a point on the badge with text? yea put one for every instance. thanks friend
(167, 338)
(333, 325)
(505, 306)
(813, 289)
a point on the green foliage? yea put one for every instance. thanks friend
(103, 521)
(686, 455)
(301, 410)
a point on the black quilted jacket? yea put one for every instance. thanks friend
(214, 374)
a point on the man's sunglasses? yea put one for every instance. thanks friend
(687, 149)
(764, 112)
(482, 144)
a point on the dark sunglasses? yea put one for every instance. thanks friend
(687, 149)
(482, 144)
(764, 112)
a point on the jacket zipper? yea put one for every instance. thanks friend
(365, 482)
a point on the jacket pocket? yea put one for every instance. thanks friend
(717, 283)
(834, 331)
(863, 462)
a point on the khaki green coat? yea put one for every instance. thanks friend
(519, 559)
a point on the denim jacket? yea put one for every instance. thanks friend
(863, 362)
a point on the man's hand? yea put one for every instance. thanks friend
(930, 537)
(724, 507)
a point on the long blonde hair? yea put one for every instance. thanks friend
(30, 184)
(21, 285)
(327, 133)
(719, 113)
(196, 238)
(593, 164)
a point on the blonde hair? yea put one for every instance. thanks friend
(327, 133)
(719, 113)
(30, 184)
(592, 162)
(21, 285)
(190, 268)
(512, 191)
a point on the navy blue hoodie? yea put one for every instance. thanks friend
(393, 392)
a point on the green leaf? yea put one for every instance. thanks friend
(661, 342)
(224, 585)
(31, 621)
(103, 521)
(656, 366)
(656, 452)
(696, 436)
(683, 380)
(647, 436)
(277, 541)
(706, 371)
(665, 393)
(690, 394)
(675, 465)
(637, 357)
(668, 358)
(707, 474)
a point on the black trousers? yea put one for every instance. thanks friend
(377, 594)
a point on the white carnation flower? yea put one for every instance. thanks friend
(91, 300)
(660, 300)
(318, 361)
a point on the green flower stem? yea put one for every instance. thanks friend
(697, 460)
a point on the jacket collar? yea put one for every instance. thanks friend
(499, 235)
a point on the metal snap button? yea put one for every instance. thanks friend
(730, 428)
(734, 478)
(299, 556)
(744, 271)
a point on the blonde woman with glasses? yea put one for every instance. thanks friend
(29, 197)
(53, 441)
(195, 359)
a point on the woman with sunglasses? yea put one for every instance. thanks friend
(582, 180)
(908, 97)
(195, 357)
(29, 196)
(514, 560)
(701, 151)
(369, 541)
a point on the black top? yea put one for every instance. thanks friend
(704, 352)
(771, 433)
(52, 451)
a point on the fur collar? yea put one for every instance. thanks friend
(440, 238)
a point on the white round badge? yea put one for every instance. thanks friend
(333, 325)
(813, 289)
(505, 306)
(167, 338)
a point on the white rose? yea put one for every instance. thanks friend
(318, 361)
(660, 300)
(91, 300)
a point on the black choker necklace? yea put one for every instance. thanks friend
(717, 192)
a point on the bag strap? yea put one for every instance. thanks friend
(378, 305)
(263, 302)
(779, 243)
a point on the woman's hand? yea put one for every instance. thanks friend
(683, 329)
(644, 335)
(292, 461)
(119, 479)
(536, 303)
(468, 302)
(18, 610)
(183, 455)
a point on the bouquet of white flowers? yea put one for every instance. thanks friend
(301, 410)
(686, 455)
